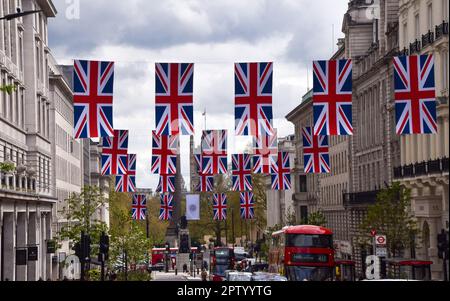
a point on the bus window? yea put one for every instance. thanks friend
(309, 240)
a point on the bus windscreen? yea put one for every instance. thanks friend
(309, 241)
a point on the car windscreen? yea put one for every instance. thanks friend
(222, 253)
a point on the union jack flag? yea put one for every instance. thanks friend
(247, 205)
(139, 207)
(315, 152)
(281, 177)
(415, 95)
(253, 98)
(166, 184)
(127, 182)
(165, 150)
(214, 152)
(205, 182)
(265, 148)
(332, 98)
(115, 153)
(165, 213)
(242, 173)
(93, 83)
(174, 94)
(220, 206)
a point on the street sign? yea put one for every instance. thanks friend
(373, 232)
(380, 240)
(381, 252)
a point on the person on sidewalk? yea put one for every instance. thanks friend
(204, 275)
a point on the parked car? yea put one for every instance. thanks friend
(239, 276)
(263, 276)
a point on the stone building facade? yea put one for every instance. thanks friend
(371, 41)
(424, 160)
(27, 195)
(306, 186)
(280, 205)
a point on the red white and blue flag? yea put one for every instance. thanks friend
(214, 152)
(139, 207)
(265, 150)
(247, 205)
(220, 206)
(253, 98)
(115, 153)
(164, 157)
(174, 99)
(166, 209)
(93, 84)
(127, 182)
(415, 95)
(281, 172)
(166, 184)
(242, 172)
(332, 98)
(315, 152)
(205, 181)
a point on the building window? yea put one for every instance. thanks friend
(430, 16)
(416, 26)
(303, 213)
(303, 184)
(405, 34)
(445, 10)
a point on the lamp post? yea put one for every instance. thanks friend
(166, 253)
(19, 14)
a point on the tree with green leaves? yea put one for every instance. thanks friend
(81, 213)
(315, 218)
(8, 88)
(391, 216)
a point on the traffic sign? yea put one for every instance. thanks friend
(373, 232)
(381, 252)
(380, 240)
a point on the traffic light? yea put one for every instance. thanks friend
(442, 244)
(86, 247)
(77, 249)
(104, 245)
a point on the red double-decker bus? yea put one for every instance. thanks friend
(159, 253)
(303, 252)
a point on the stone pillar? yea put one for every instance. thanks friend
(446, 143)
(42, 255)
(436, 267)
(419, 146)
(48, 236)
(426, 148)
(403, 149)
(9, 256)
(439, 137)
(21, 242)
(33, 267)
(434, 146)
(407, 149)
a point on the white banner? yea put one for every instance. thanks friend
(193, 207)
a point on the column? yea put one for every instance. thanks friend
(21, 243)
(48, 236)
(439, 150)
(434, 145)
(432, 251)
(419, 145)
(407, 149)
(446, 143)
(42, 246)
(32, 240)
(8, 261)
(426, 148)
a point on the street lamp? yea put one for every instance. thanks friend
(19, 14)
(166, 253)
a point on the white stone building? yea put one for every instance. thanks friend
(28, 194)
(423, 29)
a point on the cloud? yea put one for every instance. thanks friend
(212, 34)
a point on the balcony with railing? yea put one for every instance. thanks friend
(427, 38)
(364, 198)
(441, 30)
(430, 167)
(414, 47)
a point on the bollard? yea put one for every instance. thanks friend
(176, 272)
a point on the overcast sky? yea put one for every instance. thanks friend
(213, 34)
